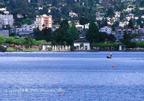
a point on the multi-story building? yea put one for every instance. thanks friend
(128, 31)
(43, 21)
(24, 27)
(106, 29)
(7, 20)
(25, 31)
(5, 33)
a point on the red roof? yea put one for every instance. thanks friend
(81, 40)
(44, 44)
(137, 38)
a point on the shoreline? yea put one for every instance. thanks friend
(81, 51)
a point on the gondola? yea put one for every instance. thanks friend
(109, 56)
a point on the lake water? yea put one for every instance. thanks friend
(71, 76)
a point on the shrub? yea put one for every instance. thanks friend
(49, 48)
(2, 49)
(72, 48)
(26, 46)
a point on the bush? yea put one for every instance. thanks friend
(2, 49)
(132, 45)
(72, 48)
(26, 46)
(49, 48)
(81, 45)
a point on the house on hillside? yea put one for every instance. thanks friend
(117, 13)
(141, 38)
(106, 29)
(20, 16)
(72, 14)
(141, 8)
(3, 9)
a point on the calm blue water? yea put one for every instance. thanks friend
(80, 76)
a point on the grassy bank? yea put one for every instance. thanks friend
(10, 49)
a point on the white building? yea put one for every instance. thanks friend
(141, 8)
(20, 16)
(72, 14)
(43, 21)
(5, 33)
(7, 20)
(24, 27)
(142, 16)
(129, 9)
(122, 47)
(3, 9)
(78, 42)
(6, 12)
(117, 14)
(98, 17)
(122, 24)
(106, 29)
(138, 39)
(49, 47)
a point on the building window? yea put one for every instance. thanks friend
(50, 25)
(49, 19)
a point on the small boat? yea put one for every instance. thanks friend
(109, 56)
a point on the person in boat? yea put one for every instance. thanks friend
(110, 56)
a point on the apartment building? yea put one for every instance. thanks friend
(128, 31)
(24, 27)
(7, 20)
(43, 21)
(5, 33)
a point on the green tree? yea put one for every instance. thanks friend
(71, 34)
(132, 45)
(22, 40)
(57, 21)
(111, 37)
(64, 25)
(135, 35)
(58, 37)
(102, 36)
(103, 22)
(40, 42)
(17, 41)
(137, 43)
(2, 39)
(10, 39)
(92, 33)
(83, 21)
(81, 45)
(54, 2)
(110, 12)
(34, 41)
(29, 41)
(26, 21)
(126, 38)
(142, 44)
(131, 24)
(122, 16)
(47, 33)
